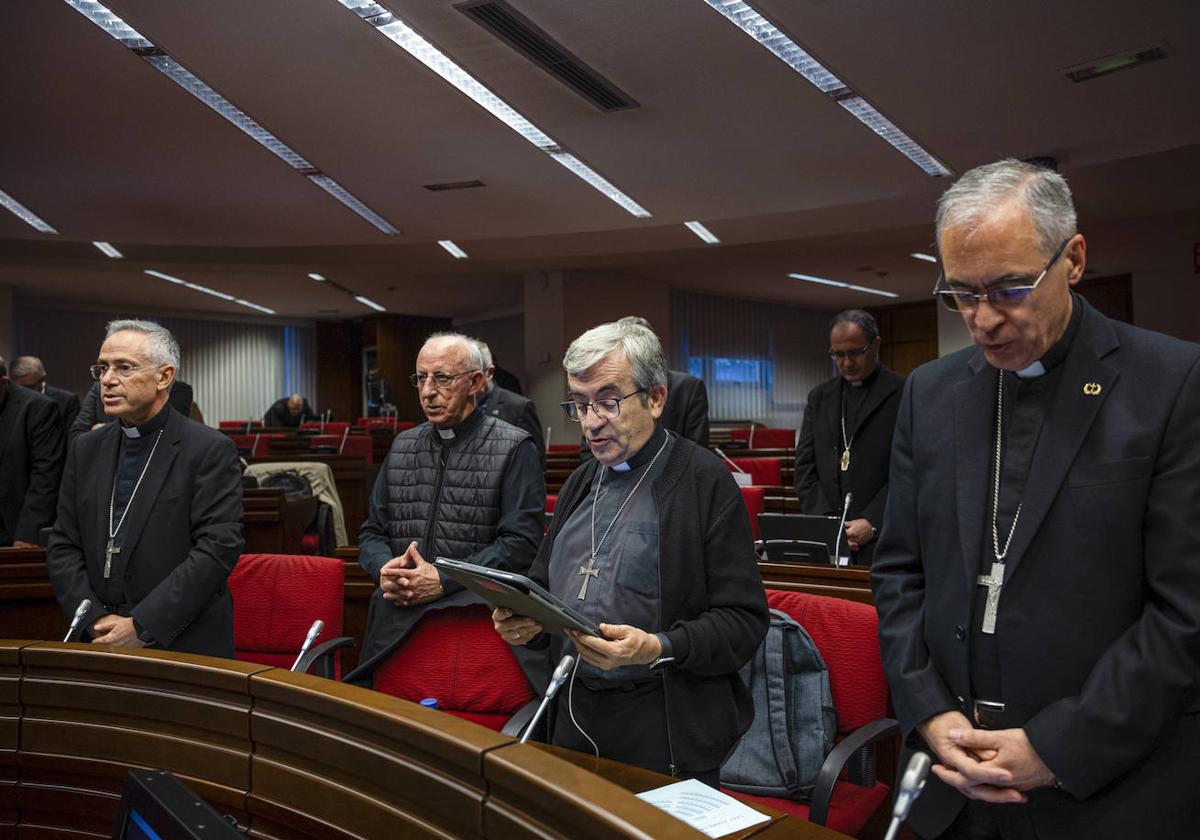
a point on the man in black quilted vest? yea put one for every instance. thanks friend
(464, 485)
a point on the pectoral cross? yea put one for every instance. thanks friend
(845, 459)
(994, 583)
(587, 572)
(109, 551)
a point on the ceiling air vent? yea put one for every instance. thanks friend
(455, 185)
(1115, 63)
(520, 33)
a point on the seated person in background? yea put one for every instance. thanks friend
(31, 461)
(91, 413)
(846, 439)
(651, 538)
(29, 372)
(503, 403)
(150, 514)
(463, 485)
(289, 411)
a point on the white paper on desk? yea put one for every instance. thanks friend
(703, 808)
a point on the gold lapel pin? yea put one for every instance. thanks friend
(1091, 388)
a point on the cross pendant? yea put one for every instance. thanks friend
(109, 551)
(845, 459)
(994, 583)
(587, 572)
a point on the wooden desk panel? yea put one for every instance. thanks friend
(273, 522)
(10, 721)
(853, 582)
(29, 609)
(353, 481)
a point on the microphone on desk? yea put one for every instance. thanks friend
(80, 612)
(911, 785)
(837, 560)
(313, 632)
(556, 680)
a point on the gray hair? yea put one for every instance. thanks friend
(485, 354)
(861, 319)
(161, 346)
(636, 320)
(639, 344)
(1043, 194)
(25, 365)
(474, 355)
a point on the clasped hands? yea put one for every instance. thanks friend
(408, 580)
(858, 533)
(991, 765)
(621, 645)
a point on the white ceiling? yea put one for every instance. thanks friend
(102, 146)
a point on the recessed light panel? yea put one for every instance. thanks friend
(24, 213)
(704, 233)
(808, 278)
(108, 250)
(452, 249)
(366, 301)
(196, 287)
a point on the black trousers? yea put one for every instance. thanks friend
(988, 821)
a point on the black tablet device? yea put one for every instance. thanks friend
(519, 594)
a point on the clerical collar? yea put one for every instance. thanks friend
(1055, 355)
(466, 427)
(151, 426)
(644, 454)
(866, 381)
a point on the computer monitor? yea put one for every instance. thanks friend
(157, 806)
(799, 538)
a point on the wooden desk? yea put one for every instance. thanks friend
(289, 755)
(273, 522)
(352, 478)
(850, 582)
(28, 608)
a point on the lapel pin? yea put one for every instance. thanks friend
(1091, 388)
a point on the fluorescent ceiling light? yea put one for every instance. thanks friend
(24, 213)
(927, 257)
(176, 72)
(108, 250)
(196, 287)
(750, 21)
(405, 37)
(317, 277)
(366, 301)
(454, 250)
(810, 279)
(703, 232)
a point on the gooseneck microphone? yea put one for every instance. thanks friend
(313, 632)
(80, 612)
(837, 560)
(556, 680)
(911, 785)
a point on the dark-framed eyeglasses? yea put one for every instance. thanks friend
(1011, 294)
(605, 409)
(440, 379)
(123, 370)
(855, 353)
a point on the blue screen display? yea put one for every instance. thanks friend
(138, 829)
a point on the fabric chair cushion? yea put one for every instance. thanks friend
(333, 427)
(849, 808)
(763, 471)
(754, 497)
(277, 597)
(766, 438)
(357, 445)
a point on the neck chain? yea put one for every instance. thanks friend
(112, 532)
(1000, 555)
(596, 547)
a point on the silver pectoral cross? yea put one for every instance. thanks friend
(109, 551)
(994, 583)
(587, 572)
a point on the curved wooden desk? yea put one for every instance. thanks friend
(289, 755)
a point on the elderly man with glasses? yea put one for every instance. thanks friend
(846, 437)
(464, 485)
(150, 512)
(650, 540)
(1038, 571)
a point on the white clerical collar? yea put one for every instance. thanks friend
(446, 434)
(131, 432)
(1033, 371)
(621, 467)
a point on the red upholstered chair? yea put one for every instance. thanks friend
(754, 497)
(383, 423)
(240, 424)
(276, 598)
(356, 445)
(455, 656)
(764, 472)
(847, 793)
(257, 443)
(333, 427)
(760, 438)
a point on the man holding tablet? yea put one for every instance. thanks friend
(651, 542)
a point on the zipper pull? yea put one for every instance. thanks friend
(672, 770)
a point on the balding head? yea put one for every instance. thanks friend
(29, 372)
(295, 405)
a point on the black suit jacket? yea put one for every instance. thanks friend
(517, 410)
(819, 450)
(91, 411)
(183, 535)
(278, 415)
(67, 401)
(31, 462)
(685, 414)
(1099, 617)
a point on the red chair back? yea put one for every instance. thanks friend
(356, 445)
(257, 443)
(333, 427)
(277, 597)
(755, 504)
(551, 501)
(763, 471)
(759, 438)
(239, 424)
(383, 423)
(455, 655)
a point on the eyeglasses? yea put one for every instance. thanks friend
(440, 380)
(123, 370)
(1008, 296)
(842, 355)
(605, 409)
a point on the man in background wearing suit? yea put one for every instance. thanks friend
(1038, 572)
(29, 372)
(846, 437)
(503, 403)
(31, 459)
(150, 514)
